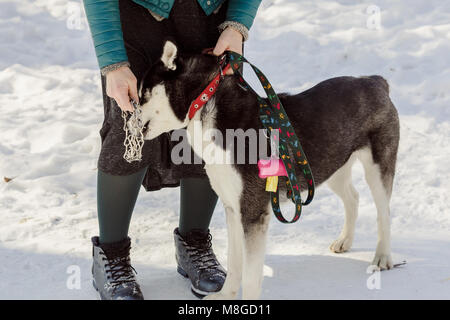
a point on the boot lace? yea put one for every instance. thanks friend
(198, 246)
(120, 270)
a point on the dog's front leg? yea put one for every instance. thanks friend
(232, 283)
(255, 234)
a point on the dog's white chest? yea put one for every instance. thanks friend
(226, 182)
(224, 178)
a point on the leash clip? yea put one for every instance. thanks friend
(222, 59)
(222, 63)
(221, 72)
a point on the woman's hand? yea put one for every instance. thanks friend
(121, 85)
(230, 39)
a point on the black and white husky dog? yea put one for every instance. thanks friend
(337, 121)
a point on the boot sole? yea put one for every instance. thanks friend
(198, 293)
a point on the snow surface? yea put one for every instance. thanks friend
(51, 111)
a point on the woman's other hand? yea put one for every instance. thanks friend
(230, 39)
(121, 85)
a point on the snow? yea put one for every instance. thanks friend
(51, 112)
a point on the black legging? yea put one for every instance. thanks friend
(116, 197)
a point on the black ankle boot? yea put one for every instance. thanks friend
(197, 261)
(113, 275)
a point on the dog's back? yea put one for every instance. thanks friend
(341, 115)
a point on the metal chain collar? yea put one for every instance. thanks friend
(134, 137)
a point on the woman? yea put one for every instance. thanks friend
(128, 36)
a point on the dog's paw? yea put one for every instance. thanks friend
(342, 244)
(383, 261)
(220, 296)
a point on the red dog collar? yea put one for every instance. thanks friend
(206, 94)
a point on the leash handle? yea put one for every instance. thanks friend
(274, 117)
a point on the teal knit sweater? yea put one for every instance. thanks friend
(104, 22)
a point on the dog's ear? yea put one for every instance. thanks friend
(169, 54)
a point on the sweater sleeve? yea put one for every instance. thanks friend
(242, 11)
(106, 30)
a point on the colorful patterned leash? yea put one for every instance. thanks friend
(274, 117)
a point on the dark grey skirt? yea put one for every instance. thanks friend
(144, 37)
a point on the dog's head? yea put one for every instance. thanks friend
(169, 86)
